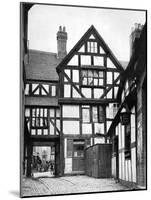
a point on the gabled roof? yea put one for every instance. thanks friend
(91, 30)
(42, 66)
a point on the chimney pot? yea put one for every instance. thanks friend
(60, 28)
(64, 29)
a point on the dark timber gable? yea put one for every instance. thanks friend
(89, 71)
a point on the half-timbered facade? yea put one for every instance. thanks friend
(70, 100)
(89, 78)
(128, 129)
(42, 111)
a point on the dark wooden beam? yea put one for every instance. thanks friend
(112, 86)
(85, 101)
(55, 127)
(70, 81)
(43, 137)
(90, 54)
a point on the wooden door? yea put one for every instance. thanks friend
(78, 156)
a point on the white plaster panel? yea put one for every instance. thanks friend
(68, 165)
(133, 154)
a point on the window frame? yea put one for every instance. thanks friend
(39, 117)
(95, 76)
(92, 47)
(83, 107)
(91, 118)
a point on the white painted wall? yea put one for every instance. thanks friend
(71, 127)
(127, 168)
(68, 161)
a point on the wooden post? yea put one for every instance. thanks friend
(61, 156)
(61, 166)
(57, 159)
(29, 159)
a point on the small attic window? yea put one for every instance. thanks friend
(92, 47)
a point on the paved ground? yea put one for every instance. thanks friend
(67, 185)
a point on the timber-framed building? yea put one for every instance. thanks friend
(70, 100)
(76, 100)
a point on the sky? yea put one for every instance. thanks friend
(113, 25)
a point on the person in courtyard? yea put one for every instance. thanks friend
(51, 168)
(38, 163)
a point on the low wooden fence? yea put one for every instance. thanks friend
(98, 161)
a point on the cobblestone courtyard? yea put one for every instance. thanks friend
(67, 185)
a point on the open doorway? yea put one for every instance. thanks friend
(43, 161)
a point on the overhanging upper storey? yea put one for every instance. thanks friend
(90, 70)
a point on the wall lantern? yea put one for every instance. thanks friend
(125, 116)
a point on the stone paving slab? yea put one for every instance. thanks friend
(68, 185)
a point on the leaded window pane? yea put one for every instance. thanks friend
(90, 73)
(41, 112)
(92, 77)
(33, 112)
(51, 129)
(45, 112)
(90, 81)
(45, 131)
(95, 114)
(86, 115)
(101, 114)
(52, 112)
(84, 81)
(96, 73)
(101, 82)
(100, 74)
(95, 81)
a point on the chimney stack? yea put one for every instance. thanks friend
(135, 34)
(61, 42)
